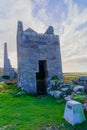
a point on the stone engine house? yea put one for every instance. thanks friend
(39, 59)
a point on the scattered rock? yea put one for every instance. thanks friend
(78, 87)
(51, 93)
(49, 127)
(68, 98)
(82, 78)
(64, 89)
(85, 106)
(57, 94)
(48, 89)
(79, 93)
(52, 83)
(82, 81)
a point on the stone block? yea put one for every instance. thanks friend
(74, 112)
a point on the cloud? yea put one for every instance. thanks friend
(76, 65)
(8, 19)
(10, 13)
(72, 28)
(73, 40)
(67, 17)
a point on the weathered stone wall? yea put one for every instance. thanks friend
(32, 47)
(8, 70)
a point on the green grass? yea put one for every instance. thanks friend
(32, 113)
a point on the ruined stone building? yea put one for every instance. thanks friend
(39, 58)
(8, 70)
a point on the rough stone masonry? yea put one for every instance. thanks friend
(8, 70)
(39, 57)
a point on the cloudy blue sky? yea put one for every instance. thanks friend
(68, 17)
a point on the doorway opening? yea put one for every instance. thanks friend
(41, 78)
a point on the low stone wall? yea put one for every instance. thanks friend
(65, 90)
(82, 80)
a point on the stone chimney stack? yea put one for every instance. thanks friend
(8, 70)
(6, 60)
(5, 48)
(20, 29)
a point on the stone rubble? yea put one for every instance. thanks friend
(78, 87)
(65, 90)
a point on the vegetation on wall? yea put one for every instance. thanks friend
(6, 77)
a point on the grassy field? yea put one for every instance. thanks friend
(26, 112)
(68, 77)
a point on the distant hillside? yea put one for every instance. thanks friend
(1, 71)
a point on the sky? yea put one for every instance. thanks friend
(68, 17)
